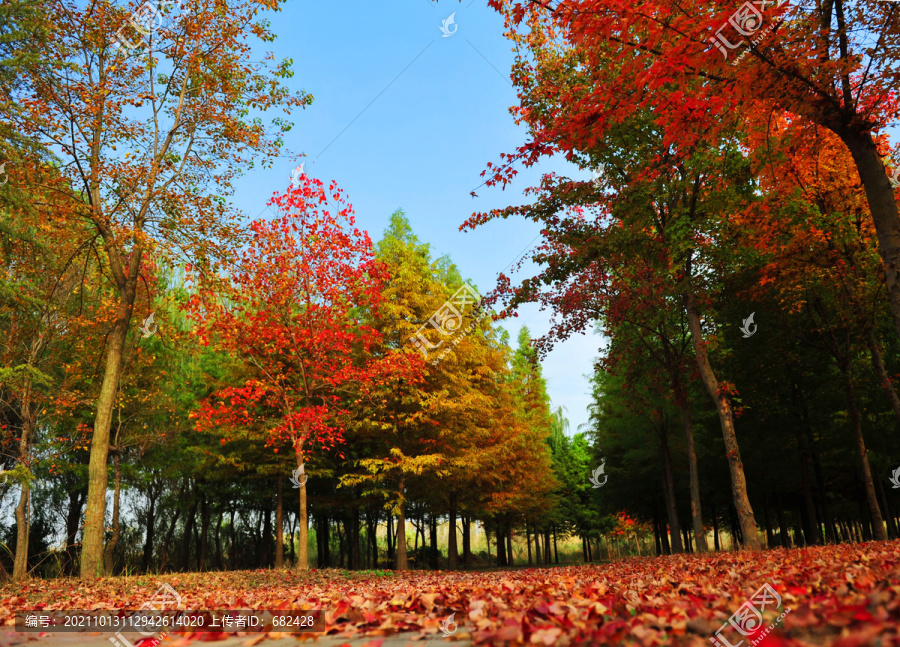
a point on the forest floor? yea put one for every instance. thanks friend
(843, 595)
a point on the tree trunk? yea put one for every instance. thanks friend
(327, 539)
(669, 487)
(451, 537)
(882, 206)
(726, 420)
(882, 374)
(501, 547)
(656, 535)
(892, 533)
(164, 556)
(20, 565)
(114, 540)
(555, 550)
(510, 560)
(467, 541)
(874, 510)
(830, 531)
(77, 498)
(715, 526)
(188, 531)
(279, 524)
(151, 527)
(770, 536)
(696, 514)
(232, 550)
(218, 564)
(204, 530)
(663, 531)
(353, 534)
(433, 548)
(302, 517)
(391, 557)
(528, 543)
(95, 511)
(402, 561)
(782, 525)
(812, 525)
(23, 509)
(547, 546)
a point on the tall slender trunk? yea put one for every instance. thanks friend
(164, 555)
(73, 524)
(402, 561)
(782, 525)
(509, 550)
(866, 470)
(882, 206)
(390, 541)
(696, 513)
(151, 528)
(669, 485)
(95, 510)
(23, 518)
(303, 516)
(232, 548)
(715, 517)
(656, 537)
(726, 420)
(353, 534)
(451, 537)
(204, 530)
(114, 540)
(433, 547)
(279, 524)
(663, 530)
(186, 539)
(830, 531)
(467, 541)
(883, 377)
(891, 531)
(528, 543)
(555, 550)
(218, 564)
(812, 525)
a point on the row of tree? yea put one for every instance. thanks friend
(738, 245)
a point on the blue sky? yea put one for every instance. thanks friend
(405, 117)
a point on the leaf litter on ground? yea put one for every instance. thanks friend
(844, 595)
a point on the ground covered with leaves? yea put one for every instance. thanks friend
(843, 595)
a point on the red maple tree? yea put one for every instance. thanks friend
(294, 310)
